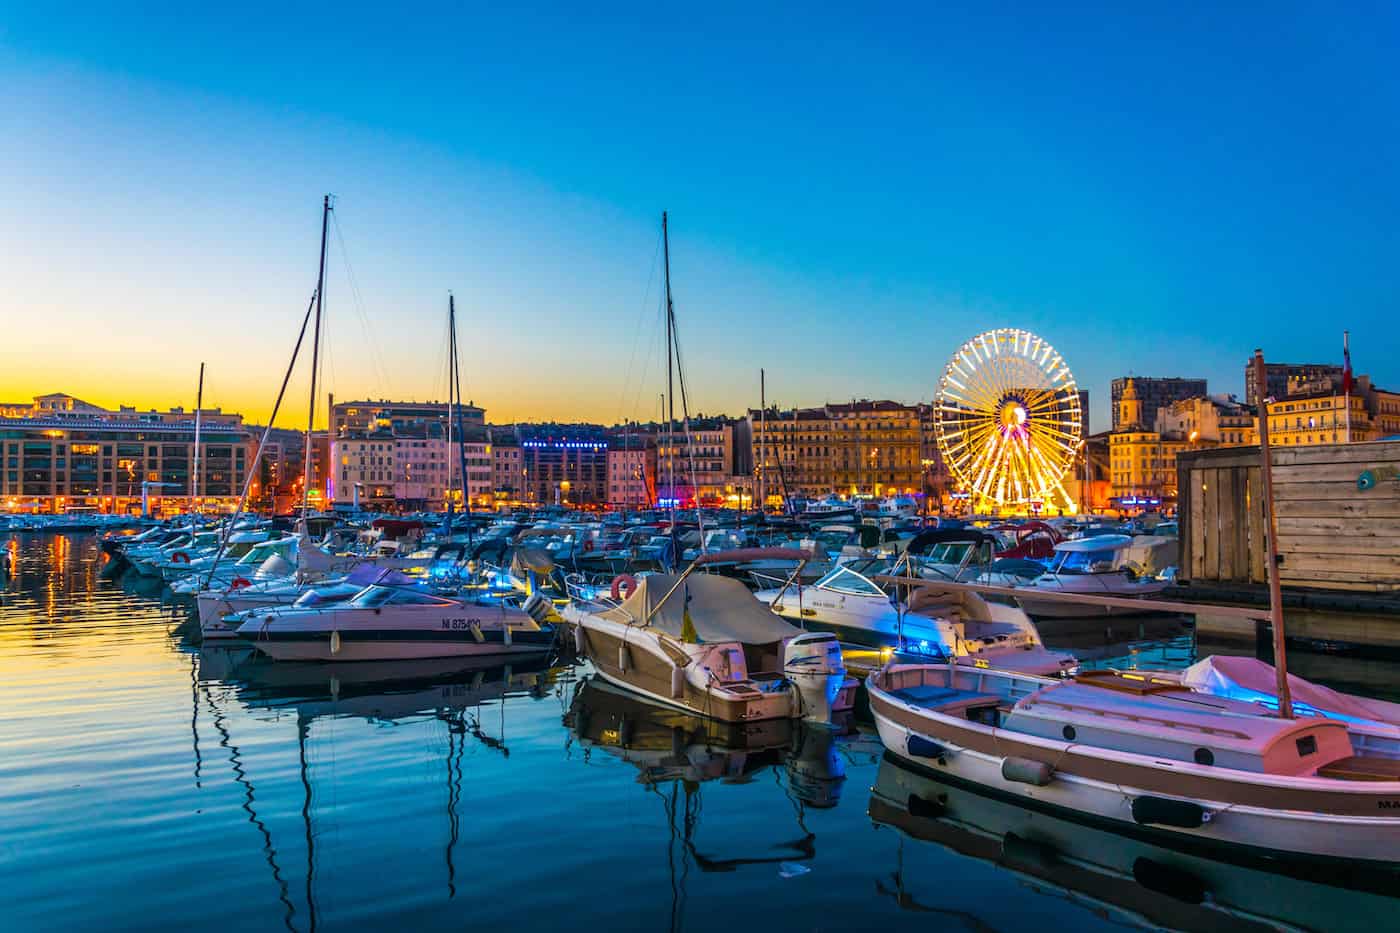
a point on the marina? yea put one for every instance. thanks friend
(795, 469)
(342, 794)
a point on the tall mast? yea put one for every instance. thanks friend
(457, 415)
(1261, 383)
(451, 367)
(762, 442)
(670, 394)
(315, 362)
(198, 410)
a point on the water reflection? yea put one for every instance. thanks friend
(143, 779)
(466, 695)
(1102, 870)
(676, 753)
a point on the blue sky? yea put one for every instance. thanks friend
(851, 196)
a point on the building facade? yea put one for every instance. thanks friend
(695, 463)
(1143, 452)
(632, 472)
(563, 464)
(1327, 415)
(1284, 379)
(62, 454)
(1154, 392)
(363, 417)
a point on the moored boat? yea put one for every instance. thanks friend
(1203, 773)
(702, 643)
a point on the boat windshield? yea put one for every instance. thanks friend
(846, 580)
(1084, 561)
(374, 596)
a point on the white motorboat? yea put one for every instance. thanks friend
(274, 559)
(218, 609)
(1088, 567)
(935, 624)
(393, 622)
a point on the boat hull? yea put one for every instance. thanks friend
(1267, 821)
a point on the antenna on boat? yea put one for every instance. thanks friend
(1261, 384)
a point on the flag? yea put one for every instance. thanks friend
(1346, 363)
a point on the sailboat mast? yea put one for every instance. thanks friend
(762, 442)
(456, 414)
(1266, 474)
(670, 393)
(198, 411)
(451, 366)
(315, 360)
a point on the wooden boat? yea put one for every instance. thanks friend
(1202, 772)
(702, 643)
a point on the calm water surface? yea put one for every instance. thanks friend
(146, 784)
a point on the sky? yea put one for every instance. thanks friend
(852, 195)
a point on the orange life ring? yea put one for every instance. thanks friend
(179, 557)
(238, 583)
(621, 581)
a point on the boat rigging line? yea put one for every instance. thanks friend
(262, 445)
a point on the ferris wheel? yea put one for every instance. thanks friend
(1008, 419)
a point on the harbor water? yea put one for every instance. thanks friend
(146, 783)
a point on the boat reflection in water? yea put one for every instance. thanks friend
(670, 747)
(455, 691)
(1105, 870)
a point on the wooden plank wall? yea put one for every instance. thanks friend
(1332, 535)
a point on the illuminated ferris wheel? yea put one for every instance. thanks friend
(1008, 419)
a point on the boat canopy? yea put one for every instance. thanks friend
(721, 609)
(1253, 681)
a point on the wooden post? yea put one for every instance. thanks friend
(1285, 701)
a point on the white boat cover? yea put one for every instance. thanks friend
(721, 609)
(1244, 678)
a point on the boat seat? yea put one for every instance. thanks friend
(941, 698)
(1362, 768)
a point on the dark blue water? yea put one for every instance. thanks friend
(146, 784)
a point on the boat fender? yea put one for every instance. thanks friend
(1026, 771)
(580, 642)
(335, 643)
(677, 682)
(239, 582)
(179, 557)
(623, 586)
(924, 808)
(921, 747)
(1169, 880)
(1168, 812)
(622, 658)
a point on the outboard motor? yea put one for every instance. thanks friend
(812, 662)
